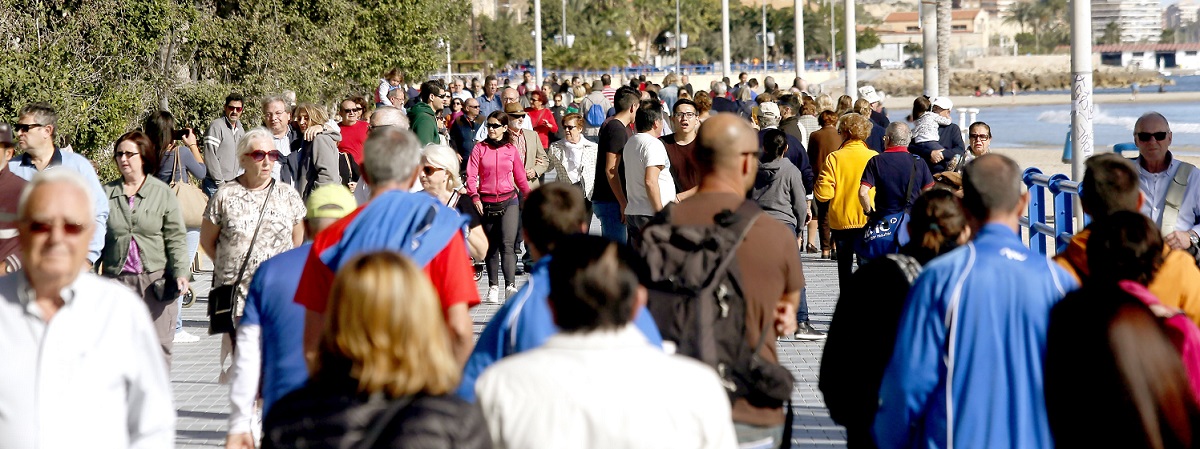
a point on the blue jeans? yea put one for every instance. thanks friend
(802, 311)
(611, 227)
(193, 242)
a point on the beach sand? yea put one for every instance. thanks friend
(1050, 99)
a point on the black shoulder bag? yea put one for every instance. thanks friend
(222, 301)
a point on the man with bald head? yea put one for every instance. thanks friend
(1168, 184)
(82, 364)
(507, 95)
(967, 369)
(389, 116)
(771, 276)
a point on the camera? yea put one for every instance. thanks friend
(181, 133)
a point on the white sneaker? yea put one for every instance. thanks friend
(185, 337)
(493, 295)
(510, 291)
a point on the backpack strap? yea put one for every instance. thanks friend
(1175, 192)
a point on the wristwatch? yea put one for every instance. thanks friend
(1194, 238)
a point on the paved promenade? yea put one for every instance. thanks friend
(203, 405)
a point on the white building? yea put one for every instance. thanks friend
(1140, 20)
(1150, 56)
(998, 9)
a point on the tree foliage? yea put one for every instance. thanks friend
(104, 64)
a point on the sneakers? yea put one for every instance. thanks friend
(510, 291)
(185, 337)
(805, 331)
(493, 295)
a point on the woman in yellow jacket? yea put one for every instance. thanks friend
(838, 184)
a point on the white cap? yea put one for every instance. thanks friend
(943, 102)
(769, 108)
(868, 93)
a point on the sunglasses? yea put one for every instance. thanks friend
(494, 126)
(43, 227)
(352, 110)
(429, 170)
(979, 137)
(234, 108)
(25, 127)
(570, 127)
(1159, 136)
(444, 95)
(258, 156)
(124, 154)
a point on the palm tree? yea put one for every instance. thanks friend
(1020, 13)
(944, 19)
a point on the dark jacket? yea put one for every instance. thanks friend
(331, 414)
(861, 339)
(950, 138)
(875, 141)
(462, 137)
(423, 123)
(722, 104)
(880, 118)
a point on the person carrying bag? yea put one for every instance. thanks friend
(222, 300)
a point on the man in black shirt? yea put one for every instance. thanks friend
(608, 195)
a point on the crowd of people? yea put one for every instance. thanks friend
(347, 245)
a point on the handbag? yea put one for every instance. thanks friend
(881, 236)
(166, 290)
(192, 201)
(222, 300)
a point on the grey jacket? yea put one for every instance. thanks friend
(318, 164)
(220, 149)
(779, 190)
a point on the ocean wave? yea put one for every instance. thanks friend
(1099, 117)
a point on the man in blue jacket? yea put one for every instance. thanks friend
(553, 211)
(967, 368)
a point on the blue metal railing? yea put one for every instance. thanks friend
(1063, 193)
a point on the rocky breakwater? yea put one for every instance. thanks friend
(967, 82)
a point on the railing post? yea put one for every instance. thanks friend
(1037, 211)
(1064, 222)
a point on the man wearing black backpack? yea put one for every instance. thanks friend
(728, 311)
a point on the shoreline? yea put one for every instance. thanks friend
(1035, 99)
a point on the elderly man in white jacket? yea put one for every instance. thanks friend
(599, 384)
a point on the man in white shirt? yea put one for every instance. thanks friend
(508, 95)
(648, 183)
(82, 363)
(599, 383)
(1158, 170)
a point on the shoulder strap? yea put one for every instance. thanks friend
(740, 223)
(1175, 191)
(371, 436)
(912, 176)
(175, 168)
(261, 213)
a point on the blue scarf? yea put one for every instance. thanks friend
(416, 225)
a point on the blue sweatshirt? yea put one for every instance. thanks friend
(524, 322)
(978, 316)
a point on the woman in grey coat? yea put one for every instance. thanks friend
(779, 186)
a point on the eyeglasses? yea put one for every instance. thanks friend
(276, 114)
(429, 170)
(25, 127)
(494, 126)
(44, 227)
(124, 154)
(234, 108)
(1159, 136)
(980, 136)
(687, 115)
(258, 156)
(352, 110)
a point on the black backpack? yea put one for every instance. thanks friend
(697, 300)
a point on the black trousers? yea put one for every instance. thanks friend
(845, 239)
(502, 236)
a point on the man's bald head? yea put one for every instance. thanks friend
(723, 142)
(509, 95)
(992, 186)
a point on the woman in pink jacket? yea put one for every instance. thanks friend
(493, 188)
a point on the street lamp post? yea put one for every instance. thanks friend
(678, 39)
(725, 38)
(851, 55)
(537, 38)
(798, 18)
(764, 37)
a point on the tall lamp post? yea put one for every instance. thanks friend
(851, 53)
(798, 19)
(678, 39)
(537, 40)
(725, 71)
(1081, 91)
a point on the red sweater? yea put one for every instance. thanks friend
(544, 131)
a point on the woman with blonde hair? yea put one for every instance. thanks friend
(385, 373)
(439, 177)
(845, 104)
(824, 103)
(318, 161)
(839, 183)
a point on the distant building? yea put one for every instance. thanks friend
(1180, 14)
(491, 8)
(969, 33)
(1140, 20)
(998, 9)
(1150, 56)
